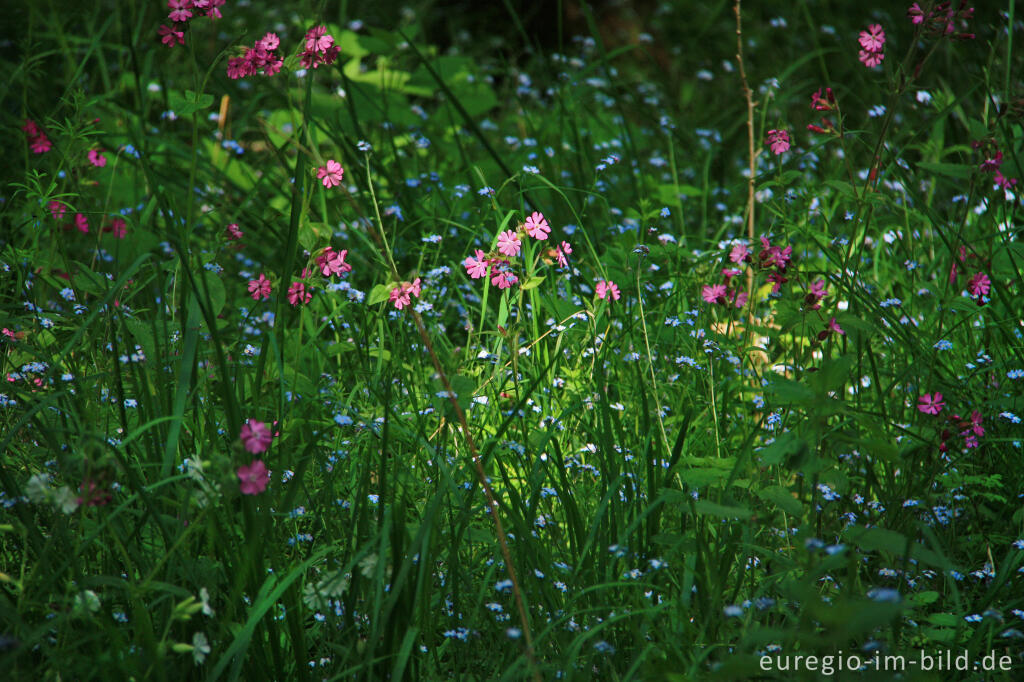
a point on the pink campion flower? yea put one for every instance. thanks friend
(96, 158)
(297, 294)
(82, 223)
(537, 226)
(739, 253)
(1002, 182)
(476, 265)
(870, 59)
(508, 243)
(931, 404)
(332, 262)
(778, 141)
(979, 285)
(872, 39)
(269, 42)
(56, 209)
(31, 129)
(992, 165)
(401, 295)
(232, 232)
(915, 14)
(171, 36)
(259, 288)
(815, 294)
(739, 299)
(212, 7)
(729, 273)
(253, 479)
(713, 293)
(318, 40)
(181, 10)
(330, 174)
(607, 289)
(561, 251)
(777, 281)
(826, 103)
(40, 144)
(501, 275)
(831, 328)
(255, 436)
(976, 426)
(118, 227)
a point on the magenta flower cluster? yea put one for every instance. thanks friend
(871, 42)
(183, 11)
(498, 264)
(260, 58)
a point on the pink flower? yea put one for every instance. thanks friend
(713, 293)
(40, 144)
(872, 39)
(269, 42)
(259, 288)
(171, 36)
(332, 262)
(181, 10)
(400, 295)
(976, 426)
(118, 227)
(815, 294)
(826, 103)
(870, 59)
(739, 253)
(297, 294)
(561, 251)
(31, 129)
(831, 328)
(82, 223)
(330, 174)
(96, 158)
(317, 39)
(915, 14)
(537, 226)
(255, 436)
(253, 479)
(1002, 181)
(476, 265)
(979, 285)
(56, 209)
(778, 141)
(931, 404)
(508, 243)
(232, 232)
(607, 288)
(992, 165)
(739, 299)
(501, 275)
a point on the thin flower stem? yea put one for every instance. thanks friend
(751, 155)
(492, 504)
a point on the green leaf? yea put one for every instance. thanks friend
(532, 283)
(214, 291)
(189, 103)
(951, 170)
(787, 391)
(380, 293)
(781, 498)
(881, 539)
(722, 511)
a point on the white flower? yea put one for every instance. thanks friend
(66, 500)
(204, 597)
(38, 488)
(200, 647)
